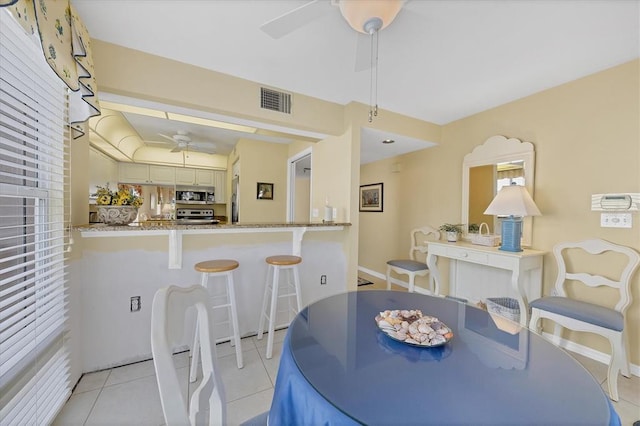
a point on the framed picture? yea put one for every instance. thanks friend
(265, 191)
(371, 197)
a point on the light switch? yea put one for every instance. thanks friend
(616, 220)
(314, 213)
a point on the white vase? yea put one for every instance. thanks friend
(452, 236)
(117, 215)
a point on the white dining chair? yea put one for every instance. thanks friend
(207, 404)
(579, 315)
(412, 266)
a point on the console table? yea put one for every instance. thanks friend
(476, 266)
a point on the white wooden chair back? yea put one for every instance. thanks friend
(207, 404)
(597, 247)
(419, 236)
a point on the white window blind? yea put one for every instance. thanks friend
(34, 150)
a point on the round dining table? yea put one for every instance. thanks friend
(338, 367)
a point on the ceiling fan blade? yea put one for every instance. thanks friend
(363, 52)
(176, 149)
(166, 137)
(296, 18)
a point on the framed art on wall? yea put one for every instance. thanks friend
(264, 191)
(371, 197)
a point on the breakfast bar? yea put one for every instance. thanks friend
(120, 268)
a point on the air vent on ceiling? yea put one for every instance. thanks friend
(275, 101)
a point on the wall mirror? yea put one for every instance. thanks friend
(498, 161)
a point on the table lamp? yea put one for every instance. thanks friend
(513, 201)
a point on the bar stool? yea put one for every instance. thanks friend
(272, 293)
(219, 268)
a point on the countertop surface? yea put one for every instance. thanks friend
(171, 225)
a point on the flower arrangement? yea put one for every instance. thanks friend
(124, 196)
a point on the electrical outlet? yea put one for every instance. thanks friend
(314, 213)
(323, 279)
(135, 305)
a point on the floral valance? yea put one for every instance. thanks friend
(67, 48)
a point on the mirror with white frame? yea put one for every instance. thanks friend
(498, 161)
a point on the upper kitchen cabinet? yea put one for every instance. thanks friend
(220, 183)
(103, 171)
(195, 177)
(146, 173)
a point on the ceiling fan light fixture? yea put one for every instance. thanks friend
(360, 12)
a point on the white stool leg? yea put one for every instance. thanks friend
(272, 315)
(195, 348)
(263, 312)
(235, 330)
(296, 282)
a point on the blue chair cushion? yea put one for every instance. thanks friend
(409, 265)
(583, 311)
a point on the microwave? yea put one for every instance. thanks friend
(195, 195)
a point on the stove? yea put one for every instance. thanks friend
(195, 217)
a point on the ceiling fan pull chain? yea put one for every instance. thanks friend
(375, 85)
(371, 56)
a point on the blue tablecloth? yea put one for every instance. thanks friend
(297, 402)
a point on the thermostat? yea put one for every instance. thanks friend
(615, 202)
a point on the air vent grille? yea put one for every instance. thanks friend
(275, 101)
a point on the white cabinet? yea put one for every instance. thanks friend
(204, 177)
(220, 183)
(162, 174)
(133, 173)
(185, 176)
(145, 173)
(194, 177)
(102, 171)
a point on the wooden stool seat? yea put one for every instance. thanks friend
(219, 265)
(222, 270)
(283, 260)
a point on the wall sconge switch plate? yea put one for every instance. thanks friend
(616, 220)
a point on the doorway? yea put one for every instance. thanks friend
(299, 175)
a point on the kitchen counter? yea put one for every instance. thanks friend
(165, 225)
(176, 232)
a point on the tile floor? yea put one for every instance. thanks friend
(128, 395)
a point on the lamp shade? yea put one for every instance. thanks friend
(513, 200)
(358, 13)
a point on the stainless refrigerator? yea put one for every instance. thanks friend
(235, 200)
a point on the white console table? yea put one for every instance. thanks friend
(477, 265)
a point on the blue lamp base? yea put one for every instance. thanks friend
(511, 233)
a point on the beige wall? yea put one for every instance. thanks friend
(587, 141)
(262, 162)
(133, 73)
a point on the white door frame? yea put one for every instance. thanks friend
(291, 182)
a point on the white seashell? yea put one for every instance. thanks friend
(384, 324)
(405, 325)
(412, 341)
(425, 329)
(413, 328)
(443, 330)
(432, 335)
(401, 335)
(438, 340)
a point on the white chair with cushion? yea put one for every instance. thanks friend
(579, 315)
(413, 267)
(207, 404)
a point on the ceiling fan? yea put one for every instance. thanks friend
(367, 17)
(182, 142)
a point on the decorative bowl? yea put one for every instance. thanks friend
(117, 215)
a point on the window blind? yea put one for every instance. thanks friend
(34, 184)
